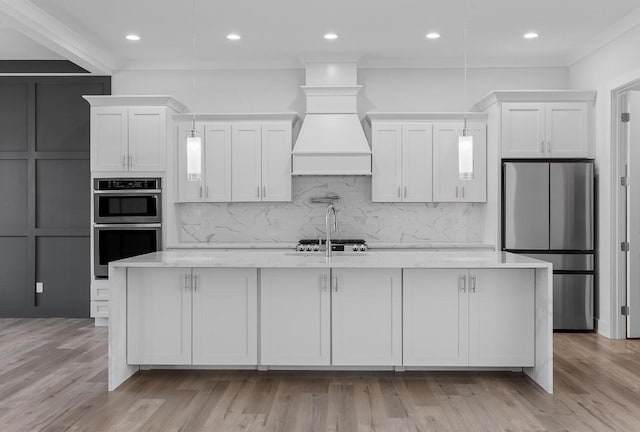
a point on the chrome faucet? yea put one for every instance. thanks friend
(330, 210)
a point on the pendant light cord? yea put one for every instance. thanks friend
(466, 22)
(193, 76)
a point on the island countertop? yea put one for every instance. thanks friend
(292, 259)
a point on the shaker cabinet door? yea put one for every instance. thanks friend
(246, 162)
(386, 172)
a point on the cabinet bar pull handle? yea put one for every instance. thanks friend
(264, 191)
(207, 191)
(186, 281)
(462, 283)
(405, 191)
(548, 146)
(258, 192)
(200, 191)
(399, 195)
(456, 191)
(462, 191)
(473, 283)
(196, 282)
(324, 283)
(130, 161)
(335, 283)
(124, 161)
(542, 146)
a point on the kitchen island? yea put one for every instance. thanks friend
(379, 310)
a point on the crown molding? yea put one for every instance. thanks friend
(44, 29)
(534, 96)
(626, 24)
(136, 100)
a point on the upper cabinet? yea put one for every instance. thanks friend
(447, 185)
(401, 163)
(241, 160)
(549, 130)
(539, 124)
(415, 157)
(129, 133)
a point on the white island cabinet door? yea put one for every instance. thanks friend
(295, 317)
(567, 130)
(109, 139)
(523, 130)
(158, 316)
(225, 314)
(276, 161)
(246, 162)
(366, 317)
(417, 162)
(386, 169)
(147, 138)
(435, 317)
(217, 162)
(501, 317)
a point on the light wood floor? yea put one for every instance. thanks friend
(53, 378)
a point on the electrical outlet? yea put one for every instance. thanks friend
(39, 287)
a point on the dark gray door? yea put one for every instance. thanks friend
(571, 206)
(45, 194)
(526, 206)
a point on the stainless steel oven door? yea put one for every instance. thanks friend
(135, 207)
(115, 242)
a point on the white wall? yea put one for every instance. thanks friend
(609, 67)
(384, 89)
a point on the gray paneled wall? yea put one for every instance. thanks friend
(44, 194)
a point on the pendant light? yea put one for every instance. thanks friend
(194, 142)
(465, 141)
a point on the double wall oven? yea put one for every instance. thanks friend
(127, 219)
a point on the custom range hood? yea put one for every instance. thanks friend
(331, 139)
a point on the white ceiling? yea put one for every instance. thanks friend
(15, 46)
(275, 33)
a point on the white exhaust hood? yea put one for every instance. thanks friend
(331, 140)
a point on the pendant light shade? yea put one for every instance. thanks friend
(194, 156)
(465, 156)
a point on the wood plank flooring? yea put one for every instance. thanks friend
(53, 378)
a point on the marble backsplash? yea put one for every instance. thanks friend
(358, 217)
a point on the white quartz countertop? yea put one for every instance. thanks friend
(371, 244)
(255, 258)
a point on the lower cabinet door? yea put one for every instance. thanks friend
(295, 317)
(366, 317)
(158, 316)
(502, 317)
(225, 314)
(435, 317)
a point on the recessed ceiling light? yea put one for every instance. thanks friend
(331, 36)
(530, 35)
(132, 37)
(433, 35)
(233, 36)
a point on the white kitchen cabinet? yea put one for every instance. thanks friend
(276, 161)
(109, 138)
(192, 316)
(366, 317)
(225, 310)
(246, 162)
(128, 138)
(261, 161)
(295, 317)
(447, 186)
(214, 184)
(158, 316)
(501, 317)
(545, 130)
(476, 317)
(435, 317)
(401, 161)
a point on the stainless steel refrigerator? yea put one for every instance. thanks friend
(548, 213)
